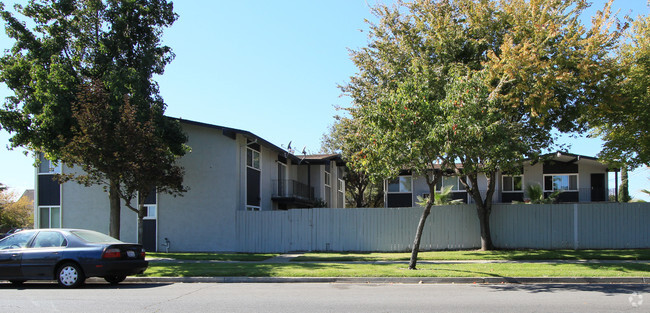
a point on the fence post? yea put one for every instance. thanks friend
(575, 226)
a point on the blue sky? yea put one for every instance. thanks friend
(269, 67)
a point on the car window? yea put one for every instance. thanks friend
(17, 240)
(90, 236)
(48, 239)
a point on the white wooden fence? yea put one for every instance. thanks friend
(560, 226)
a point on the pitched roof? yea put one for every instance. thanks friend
(231, 132)
(29, 194)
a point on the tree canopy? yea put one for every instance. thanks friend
(70, 46)
(361, 190)
(481, 83)
(15, 212)
(623, 123)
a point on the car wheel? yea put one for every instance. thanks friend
(115, 279)
(70, 275)
(17, 282)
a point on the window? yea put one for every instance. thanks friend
(253, 177)
(151, 211)
(341, 185)
(452, 181)
(49, 217)
(17, 240)
(48, 239)
(513, 183)
(46, 166)
(327, 179)
(252, 158)
(567, 182)
(402, 184)
(90, 236)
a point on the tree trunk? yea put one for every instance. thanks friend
(418, 236)
(484, 220)
(114, 215)
(423, 219)
(142, 211)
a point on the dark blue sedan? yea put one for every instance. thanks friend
(68, 256)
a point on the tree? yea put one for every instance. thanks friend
(482, 84)
(624, 189)
(535, 193)
(623, 123)
(134, 155)
(72, 44)
(361, 191)
(15, 213)
(442, 197)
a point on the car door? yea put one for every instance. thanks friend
(11, 251)
(39, 259)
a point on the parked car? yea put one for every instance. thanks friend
(68, 256)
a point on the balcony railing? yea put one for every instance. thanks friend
(290, 188)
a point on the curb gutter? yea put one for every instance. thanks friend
(397, 280)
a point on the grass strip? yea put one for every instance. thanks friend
(396, 270)
(631, 254)
(244, 257)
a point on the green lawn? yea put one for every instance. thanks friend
(632, 254)
(250, 257)
(250, 266)
(396, 270)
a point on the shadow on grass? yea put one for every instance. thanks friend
(631, 254)
(240, 257)
(236, 269)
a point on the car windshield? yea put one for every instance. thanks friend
(90, 236)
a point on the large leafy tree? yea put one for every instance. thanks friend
(134, 155)
(482, 84)
(74, 43)
(361, 190)
(623, 124)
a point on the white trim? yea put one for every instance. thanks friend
(259, 159)
(327, 179)
(37, 210)
(246, 206)
(49, 207)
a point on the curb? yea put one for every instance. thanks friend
(397, 280)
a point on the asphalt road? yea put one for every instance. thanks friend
(324, 297)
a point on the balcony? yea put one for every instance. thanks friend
(290, 193)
